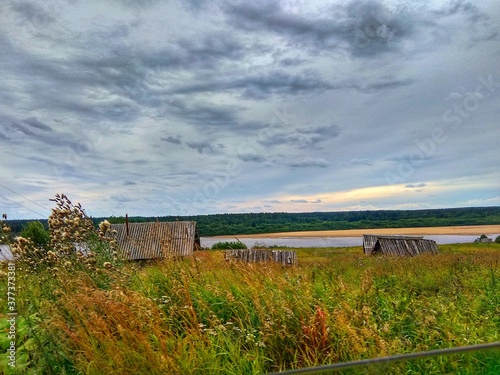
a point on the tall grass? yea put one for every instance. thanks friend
(203, 315)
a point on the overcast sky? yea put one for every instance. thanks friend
(195, 107)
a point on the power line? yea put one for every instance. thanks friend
(19, 204)
(12, 191)
(389, 359)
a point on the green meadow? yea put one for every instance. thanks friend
(203, 315)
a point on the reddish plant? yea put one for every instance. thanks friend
(315, 336)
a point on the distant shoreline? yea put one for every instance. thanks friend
(421, 231)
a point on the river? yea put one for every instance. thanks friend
(440, 239)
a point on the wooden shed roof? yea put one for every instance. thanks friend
(398, 245)
(155, 240)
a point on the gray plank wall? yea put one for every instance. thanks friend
(155, 240)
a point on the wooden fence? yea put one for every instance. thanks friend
(285, 257)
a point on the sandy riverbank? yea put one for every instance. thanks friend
(457, 230)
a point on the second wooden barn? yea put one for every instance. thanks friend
(397, 245)
(156, 240)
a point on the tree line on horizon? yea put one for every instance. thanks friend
(255, 223)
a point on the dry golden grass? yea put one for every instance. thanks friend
(112, 331)
(206, 316)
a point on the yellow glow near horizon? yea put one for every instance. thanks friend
(404, 196)
(349, 196)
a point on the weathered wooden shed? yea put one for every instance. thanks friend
(397, 245)
(156, 240)
(285, 257)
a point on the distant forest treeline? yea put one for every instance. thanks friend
(252, 223)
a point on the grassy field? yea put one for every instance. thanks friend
(203, 315)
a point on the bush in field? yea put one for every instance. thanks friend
(262, 245)
(37, 233)
(497, 240)
(228, 245)
(481, 238)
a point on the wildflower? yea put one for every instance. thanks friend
(249, 337)
(164, 300)
(104, 226)
(51, 255)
